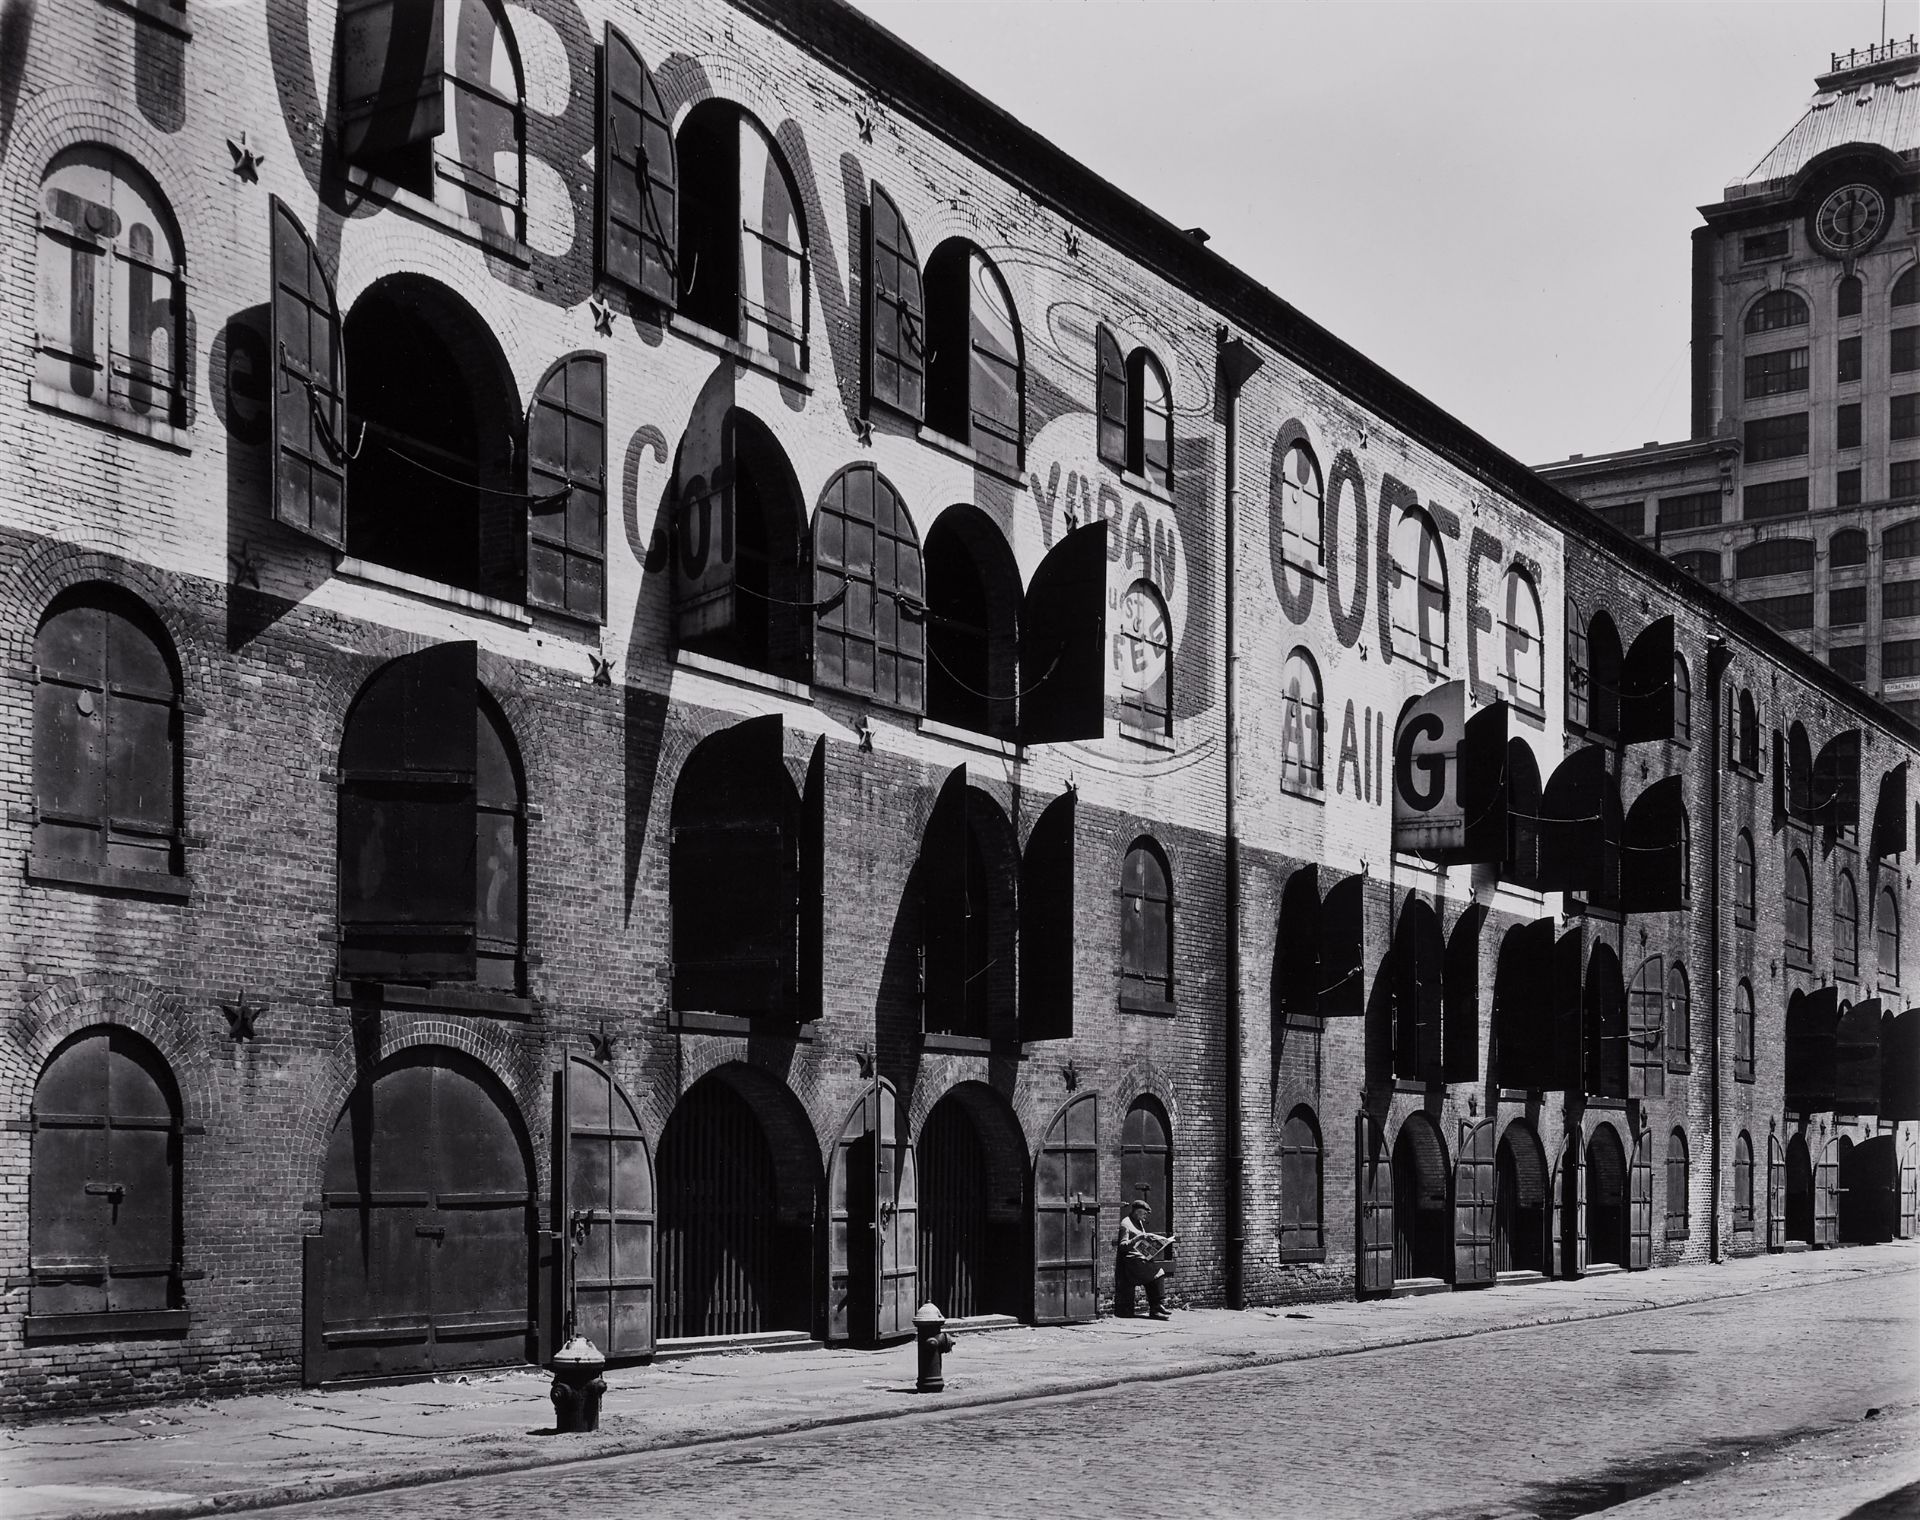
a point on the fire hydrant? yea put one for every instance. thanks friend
(930, 1331)
(577, 1386)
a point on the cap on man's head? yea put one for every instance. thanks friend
(1139, 1203)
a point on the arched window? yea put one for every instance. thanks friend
(1301, 499)
(1523, 654)
(1743, 1182)
(1847, 547)
(1701, 564)
(976, 382)
(1774, 556)
(1300, 1188)
(1775, 310)
(1579, 678)
(431, 832)
(1747, 732)
(1901, 541)
(1744, 1031)
(1146, 1160)
(870, 629)
(1419, 589)
(106, 743)
(1849, 295)
(1646, 1030)
(973, 622)
(742, 267)
(1144, 650)
(1906, 289)
(103, 1222)
(1679, 1019)
(113, 300)
(1682, 700)
(1846, 927)
(1797, 899)
(431, 100)
(1886, 928)
(1146, 930)
(1149, 420)
(1743, 886)
(1302, 724)
(1677, 1185)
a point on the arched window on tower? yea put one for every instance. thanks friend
(1906, 289)
(1849, 295)
(1302, 725)
(1775, 310)
(1523, 643)
(1419, 597)
(112, 293)
(1146, 930)
(106, 745)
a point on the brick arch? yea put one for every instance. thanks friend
(941, 1080)
(49, 569)
(1144, 1079)
(1129, 828)
(790, 1125)
(514, 1060)
(72, 116)
(72, 1003)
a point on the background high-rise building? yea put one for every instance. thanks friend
(1800, 488)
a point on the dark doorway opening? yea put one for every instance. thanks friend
(972, 1190)
(1422, 1208)
(434, 429)
(1869, 1204)
(735, 1254)
(1606, 1198)
(973, 606)
(1520, 1203)
(1799, 1191)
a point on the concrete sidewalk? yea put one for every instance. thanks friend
(200, 1457)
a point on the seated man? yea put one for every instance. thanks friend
(1137, 1260)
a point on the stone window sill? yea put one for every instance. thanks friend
(956, 1044)
(754, 358)
(688, 1022)
(115, 418)
(120, 1324)
(1007, 749)
(52, 870)
(505, 1005)
(1303, 1253)
(742, 675)
(168, 17)
(1141, 1002)
(1150, 737)
(422, 209)
(967, 454)
(370, 574)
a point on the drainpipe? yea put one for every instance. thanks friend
(1237, 364)
(1718, 658)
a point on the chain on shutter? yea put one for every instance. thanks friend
(639, 230)
(567, 488)
(407, 821)
(896, 353)
(1063, 654)
(1836, 782)
(1647, 697)
(1047, 924)
(1572, 825)
(309, 387)
(392, 67)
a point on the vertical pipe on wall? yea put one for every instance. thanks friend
(1237, 363)
(1718, 658)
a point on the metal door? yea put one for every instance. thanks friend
(1826, 1196)
(1373, 1176)
(717, 1222)
(425, 1230)
(1640, 1205)
(1570, 1175)
(896, 1249)
(1473, 1195)
(1066, 1216)
(1909, 1195)
(1776, 1194)
(605, 1207)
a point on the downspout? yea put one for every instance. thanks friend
(1718, 658)
(1237, 364)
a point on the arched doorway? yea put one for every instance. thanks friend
(1799, 1191)
(972, 1191)
(738, 1176)
(425, 1244)
(1422, 1213)
(1606, 1198)
(1520, 1202)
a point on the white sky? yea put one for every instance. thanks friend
(1492, 201)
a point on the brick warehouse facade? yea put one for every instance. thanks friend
(810, 788)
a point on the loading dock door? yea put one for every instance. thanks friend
(1066, 1216)
(608, 1204)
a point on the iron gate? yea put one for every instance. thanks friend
(954, 1244)
(714, 1274)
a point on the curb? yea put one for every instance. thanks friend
(424, 1476)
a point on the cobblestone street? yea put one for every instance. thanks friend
(1546, 1421)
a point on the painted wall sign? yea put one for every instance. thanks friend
(1426, 782)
